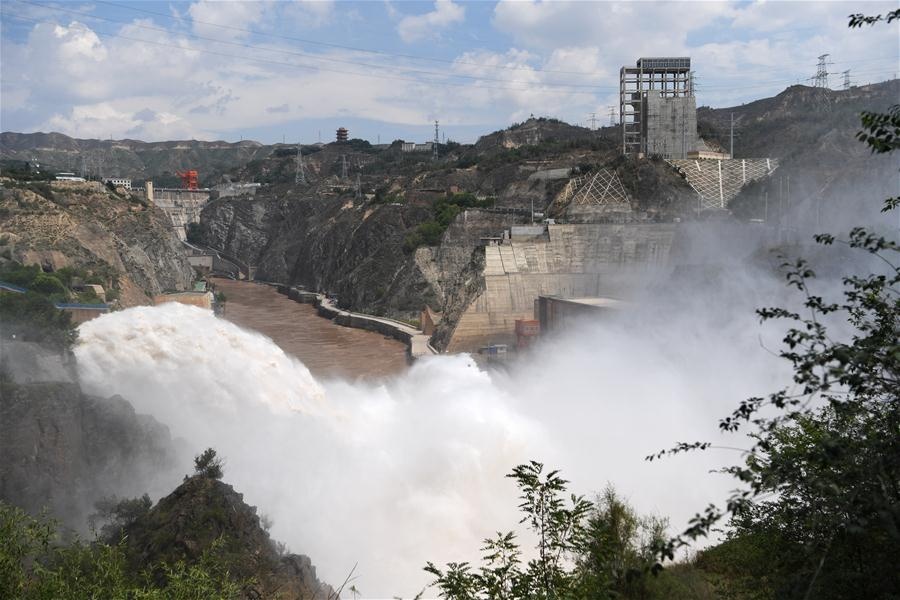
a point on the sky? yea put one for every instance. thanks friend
(295, 71)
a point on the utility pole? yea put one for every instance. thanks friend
(434, 146)
(300, 174)
(732, 135)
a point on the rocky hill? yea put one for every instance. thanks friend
(203, 514)
(64, 450)
(812, 132)
(134, 159)
(407, 236)
(116, 235)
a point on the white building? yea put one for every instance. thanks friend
(119, 182)
(414, 147)
(68, 177)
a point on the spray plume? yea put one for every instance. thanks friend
(411, 468)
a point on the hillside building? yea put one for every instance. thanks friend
(657, 108)
(414, 147)
(119, 182)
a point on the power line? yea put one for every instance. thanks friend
(344, 47)
(529, 69)
(547, 87)
(297, 53)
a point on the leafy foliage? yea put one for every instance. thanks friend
(31, 317)
(117, 514)
(208, 464)
(584, 550)
(34, 566)
(821, 503)
(445, 210)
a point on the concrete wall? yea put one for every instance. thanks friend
(181, 206)
(578, 261)
(670, 125)
(416, 342)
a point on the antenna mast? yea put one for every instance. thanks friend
(434, 146)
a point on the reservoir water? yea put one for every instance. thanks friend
(327, 349)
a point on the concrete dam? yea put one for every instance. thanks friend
(572, 260)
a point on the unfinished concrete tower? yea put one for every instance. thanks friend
(657, 108)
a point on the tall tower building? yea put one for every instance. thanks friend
(657, 108)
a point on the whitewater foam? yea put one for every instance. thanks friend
(393, 473)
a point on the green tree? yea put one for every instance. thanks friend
(821, 500)
(208, 464)
(35, 566)
(33, 318)
(584, 550)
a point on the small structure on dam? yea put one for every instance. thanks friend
(555, 313)
(181, 205)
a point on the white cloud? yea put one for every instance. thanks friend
(416, 27)
(309, 13)
(564, 63)
(212, 17)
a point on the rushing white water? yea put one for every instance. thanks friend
(411, 469)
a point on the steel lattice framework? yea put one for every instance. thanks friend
(718, 181)
(600, 188)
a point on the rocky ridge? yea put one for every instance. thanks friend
(86, 225)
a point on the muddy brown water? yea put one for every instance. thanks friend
(327, 349)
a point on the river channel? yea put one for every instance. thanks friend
(327, 349)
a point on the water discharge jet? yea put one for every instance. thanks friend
(411, 468)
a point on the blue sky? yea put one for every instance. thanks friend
(288, 70)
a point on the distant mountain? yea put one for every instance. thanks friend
(133, 159)
(812, 131)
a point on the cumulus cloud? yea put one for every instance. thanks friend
(550, 58)
(413, 28)
(212, 17)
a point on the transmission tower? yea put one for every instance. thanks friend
(358, 187)
(593, 121)
(846, 75)
(344, 167)
(821, 78)
(300, 174)
(434, 146)
(612, 116)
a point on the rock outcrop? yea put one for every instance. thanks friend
(206, 515)
(85, 225)
(63, 450)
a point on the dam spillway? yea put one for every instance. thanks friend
(572, 260)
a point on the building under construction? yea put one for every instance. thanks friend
(657, 108)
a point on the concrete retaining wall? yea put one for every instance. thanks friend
(416, 342)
